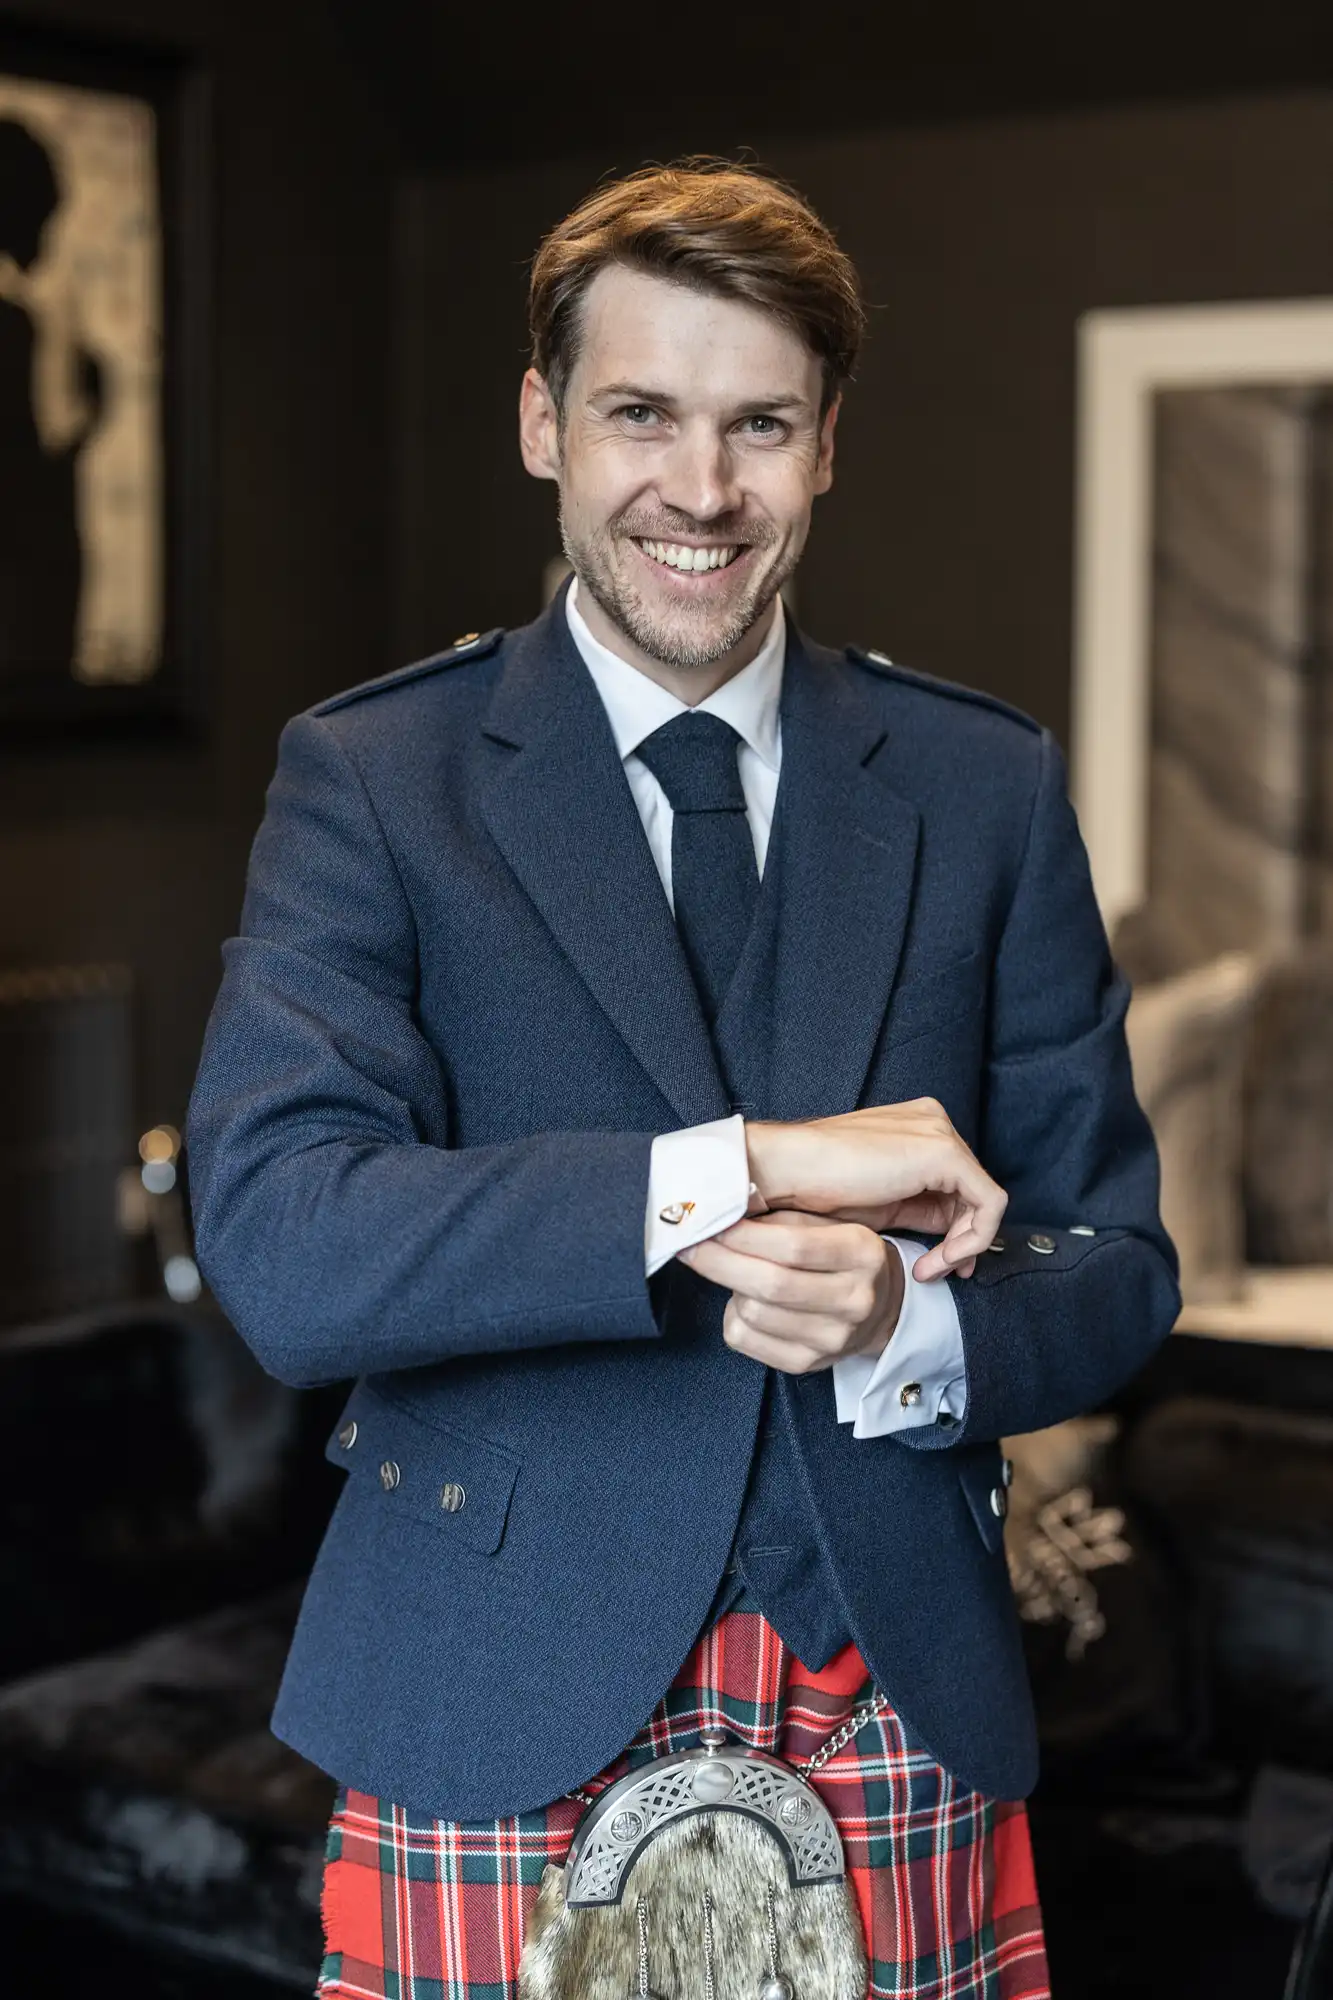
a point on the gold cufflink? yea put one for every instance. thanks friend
(676, 1211)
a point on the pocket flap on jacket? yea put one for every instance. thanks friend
(931, 998)
(443, 1477)
(981, 1477)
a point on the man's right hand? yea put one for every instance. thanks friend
(892, 1167)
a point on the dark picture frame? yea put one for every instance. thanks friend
(161, 687)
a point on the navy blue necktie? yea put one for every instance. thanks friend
(714, 878)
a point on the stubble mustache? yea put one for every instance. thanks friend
(669, 527)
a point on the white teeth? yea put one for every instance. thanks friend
(676, 556)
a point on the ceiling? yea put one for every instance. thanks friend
(489, 84)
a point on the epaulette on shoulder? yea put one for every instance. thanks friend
(880, 663)
(472, 646)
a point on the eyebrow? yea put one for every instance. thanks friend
(635, 392)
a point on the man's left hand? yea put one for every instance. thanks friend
(805, 1292)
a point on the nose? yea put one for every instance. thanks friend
(699, 478)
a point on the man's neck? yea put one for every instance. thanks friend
(688, 684)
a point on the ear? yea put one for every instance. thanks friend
(538, 428)
(824, 462)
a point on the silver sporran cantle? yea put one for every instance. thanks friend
(712, 1874)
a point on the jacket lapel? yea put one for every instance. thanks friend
(558, 806)
(844, 849)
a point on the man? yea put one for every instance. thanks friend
(531, 1099)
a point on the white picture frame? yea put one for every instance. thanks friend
(1125, 356)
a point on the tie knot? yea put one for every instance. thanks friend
(693, 758)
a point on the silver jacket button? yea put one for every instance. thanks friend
(1006, 1472)
(389, 1475)
(1043, 1245)
(1081, 1229)
(347, 1436)
(997, 1246)
(453, 1497)
(999, 1502)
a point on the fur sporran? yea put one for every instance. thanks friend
(713, 1874)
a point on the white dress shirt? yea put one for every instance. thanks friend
(921, 1371)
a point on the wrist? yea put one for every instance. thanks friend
(768, 1148)
(895, 1273)
(891, 1290)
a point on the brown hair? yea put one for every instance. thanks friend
(715, 227)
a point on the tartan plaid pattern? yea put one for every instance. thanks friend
(420, 1909)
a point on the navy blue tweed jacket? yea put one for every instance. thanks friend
(455, 1016)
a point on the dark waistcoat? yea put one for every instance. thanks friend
(776, 1563)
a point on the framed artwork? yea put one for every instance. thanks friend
(104, 262)
(1203, 689)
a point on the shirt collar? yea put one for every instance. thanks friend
(636, 706)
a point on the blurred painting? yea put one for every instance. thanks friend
(81, 528)
(103, 397)
(1240, 815)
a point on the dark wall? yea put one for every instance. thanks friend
(948, 539)
(112, 851)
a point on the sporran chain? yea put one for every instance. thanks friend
(708, 1945)
(827, 1750)
(641, 1909)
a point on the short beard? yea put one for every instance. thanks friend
(674, 645)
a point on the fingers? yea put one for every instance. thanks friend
(940, 1161)
(806, 1242)
(973, 1232)
(981, 1201)
(946, 1260)
(884, 1158)
(790, 1357)
(928, 1214)
(836, 1283)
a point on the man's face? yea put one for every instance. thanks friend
(690, 454)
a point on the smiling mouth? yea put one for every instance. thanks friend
(686, 558)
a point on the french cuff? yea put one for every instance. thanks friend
(921, 1376)
(698, 1184)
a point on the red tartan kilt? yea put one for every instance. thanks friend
(420, 1909)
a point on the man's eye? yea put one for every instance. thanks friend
(764, 426)
(638, 413)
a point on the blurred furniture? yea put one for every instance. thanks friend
(1246, 1495)
(1311, 1973)
(1234, 1065)
(143, 1787)
(149, 1471)
(66, 1119)
(161, 1501)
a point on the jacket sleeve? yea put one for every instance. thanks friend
(1085, 1286)
(335, 1237)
